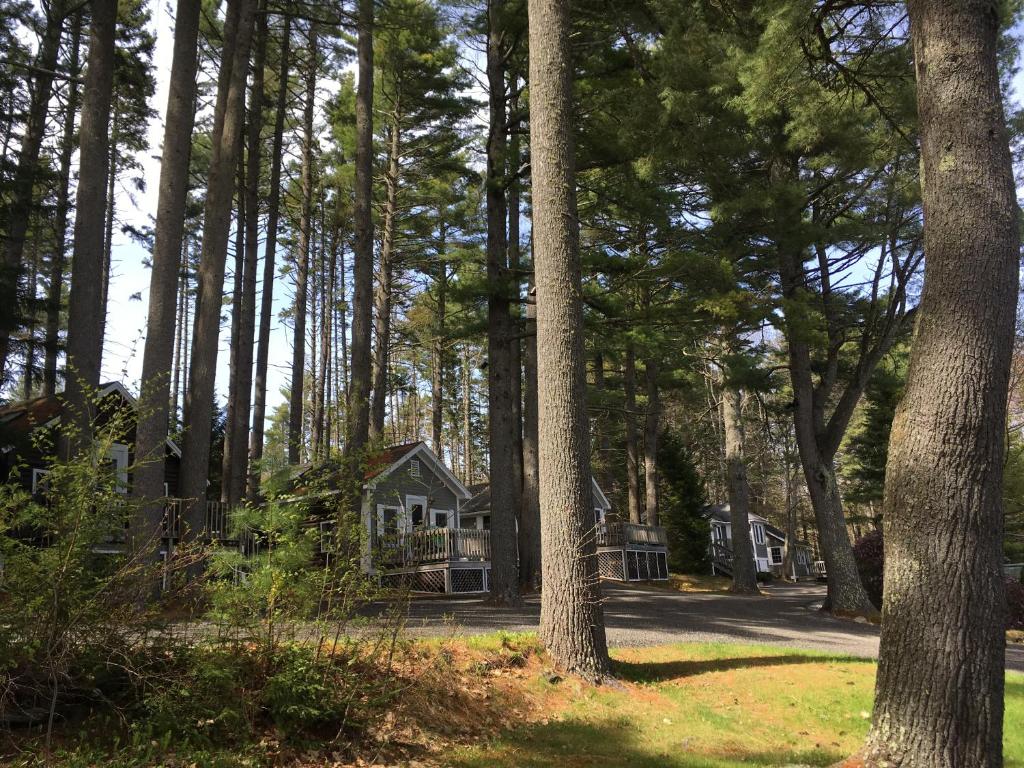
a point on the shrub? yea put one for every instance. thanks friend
(869, 553)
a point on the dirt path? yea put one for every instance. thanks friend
(786, 615)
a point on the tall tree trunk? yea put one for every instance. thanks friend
(237, 457)
(467, 404)
(515, 348)
(259, 405)
(529, 516)
(634, 502)
(302, 270)
(170, 257)
(362, 257)
(62, 209)
(572, 619)
(846, 595)
(108, 227)
(943, 523)
(382, 298)
(32, 285)
(320, 431)
(744, 572)
(85, 315)
(651, 429)
(19, 207)
(180, 334)
(199, 400)
(231, 413)
(504, 580)
(437, 343)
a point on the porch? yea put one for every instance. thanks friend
(216, 526)
(632, 552)
(438, 560)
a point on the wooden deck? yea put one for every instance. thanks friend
(439, 560)
(434, 545)
(632, 552)
(217, 521)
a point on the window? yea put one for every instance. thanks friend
(775, 553)
(486, 522)
(439, 518)
(414, 468)
(39, 481)
(416, 508)
(387, 521)
(718, 534)
(758, 533)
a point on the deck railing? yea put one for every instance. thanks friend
(620, 534)
(434, 545)
(216, 520)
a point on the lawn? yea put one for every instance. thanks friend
(706, 706)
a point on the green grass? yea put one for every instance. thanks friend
(708, 706)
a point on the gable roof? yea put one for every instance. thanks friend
(722, 513)
(387, 461)
(481, 501)
(20, 419)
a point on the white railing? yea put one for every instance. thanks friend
(216, 520)
(433, 545)
(620, 534)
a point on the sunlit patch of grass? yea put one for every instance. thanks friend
(709, 705)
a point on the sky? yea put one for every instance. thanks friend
(129, 284)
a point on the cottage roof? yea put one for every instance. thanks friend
(18, 420)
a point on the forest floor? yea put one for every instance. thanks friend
(705, 705)
(493, 701)
(640, 615)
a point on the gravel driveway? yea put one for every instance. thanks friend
(785, 615)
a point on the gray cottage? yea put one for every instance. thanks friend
(625, 551)
(767, 541)
(411, 516)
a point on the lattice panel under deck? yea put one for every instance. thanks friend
(467, 580)
(609, 565)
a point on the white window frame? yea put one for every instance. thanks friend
(411, 500)
(448, 517)
(37, 476)
(414, 468)
(118, 453)
(399, 518)
(758, 530)
(771, 555)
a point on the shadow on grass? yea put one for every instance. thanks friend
(652, 672)
(618, 743)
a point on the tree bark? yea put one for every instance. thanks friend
(19, 208)
(237, 457)
(169, 258)
(572, 619)
(362, 267)
(504, 579)
(62, 209)
(85, 315)
(199, 400)
(231, 412)
(382, 298)
(634, 502)
(259, 404)
(297, 394)
(467, 404)
(529, 516)
(651, 428)
(744, 571)
(437, 342)
(944, 591)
